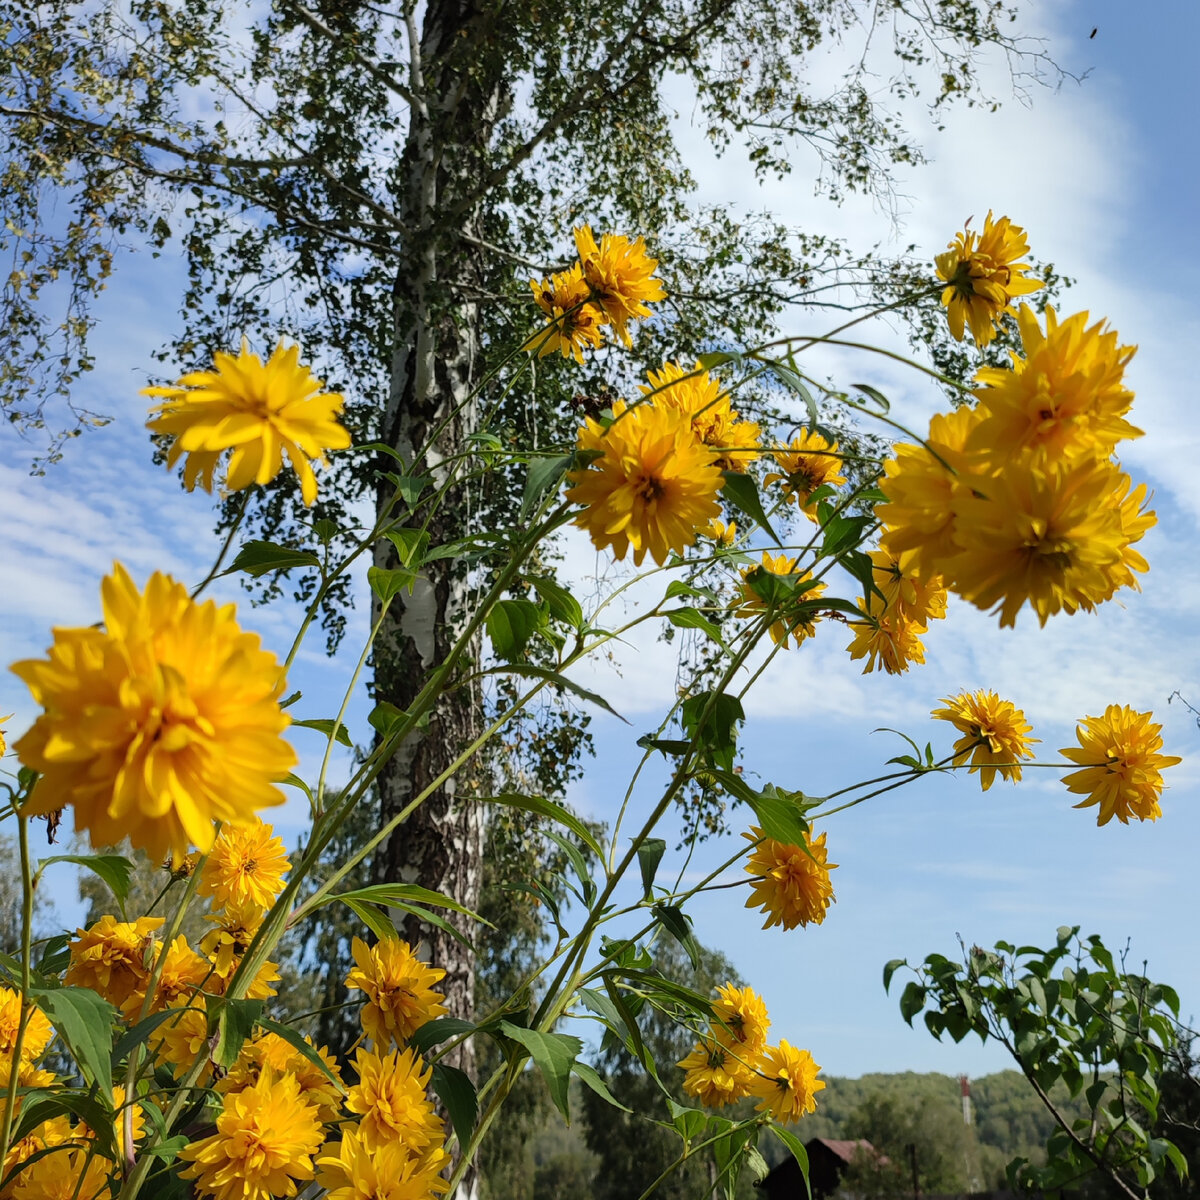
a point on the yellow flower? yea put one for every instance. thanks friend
(3, 743)
(246, 865)
(653, 487)
(259, 412)
(265, 1141)
(178, 1040)
(399, 990)
(886, 637)
(270, 1052)
(811, 461)
(906, 592)
(983, 273)
(158, 725)
(38, 1030)
(620, 275)
(716, 1076)
(183, 973)
(924, 486)
(1055, 539)
(351, 1171)
(697, 396)
(391, 1101)
(236, 926)
(722, 534)
(1122, 769)
(1065, 397)
(64, 1174)
(786, 1083)
(113, 957)
(574, 322)
(995, 735)
(791, 623)
(740, 1020)
(791, 883)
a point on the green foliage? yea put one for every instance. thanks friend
(1071, 1016)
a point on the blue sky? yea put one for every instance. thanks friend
(1102, 176)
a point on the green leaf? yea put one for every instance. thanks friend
(544, 473)
(84, 1021)
(553, 1054)
(873, 394)
(441, 1029)
(325, 530)
(650, 854)
(711, 719)
(411, 545)
(510, 625)
(457, 1093)
(678, 588)
(385, 717)
(372, 918)
(718, 358)
(391, 894)
(326, 726)
(796, 1146)
(563, 606)
(556, 812)
(47, 1103)
(235, 1023)
(790, 376)
(588, 1076)
(673, 746)
(568, 684)
(387, 583)
(114, 869)
(890, 969)
(679, 925)
(170, 1148)
(912, 1000)
(577, 861)
(742, 492)
(260, 558)
(693, 618)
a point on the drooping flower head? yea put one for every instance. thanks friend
(786, 1083)
(983, 273)
(790, 883)
(1064, 397)
(246, 865)
(259, 411)
(792, 623)
(653, 487)
(995, 735)
(811, 461)
(180, 1039)
(574, 322)
(399, 990)
(268, 1052)
(391, 1101)
(157, 725)
(620, 275)
(697, 396)
(886, 637)
(740, 1020)
(236, 927)
(352, 1171)
(716, 1074)
(183, 973)
(1122, 766)
(266, 1138)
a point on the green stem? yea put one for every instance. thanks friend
(10, 1103)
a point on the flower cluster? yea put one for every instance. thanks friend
(611, 284)
(1020, 499)
(810, 461)
(732, 1060)
(159, 724)
(259, 412)
(778, 587)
